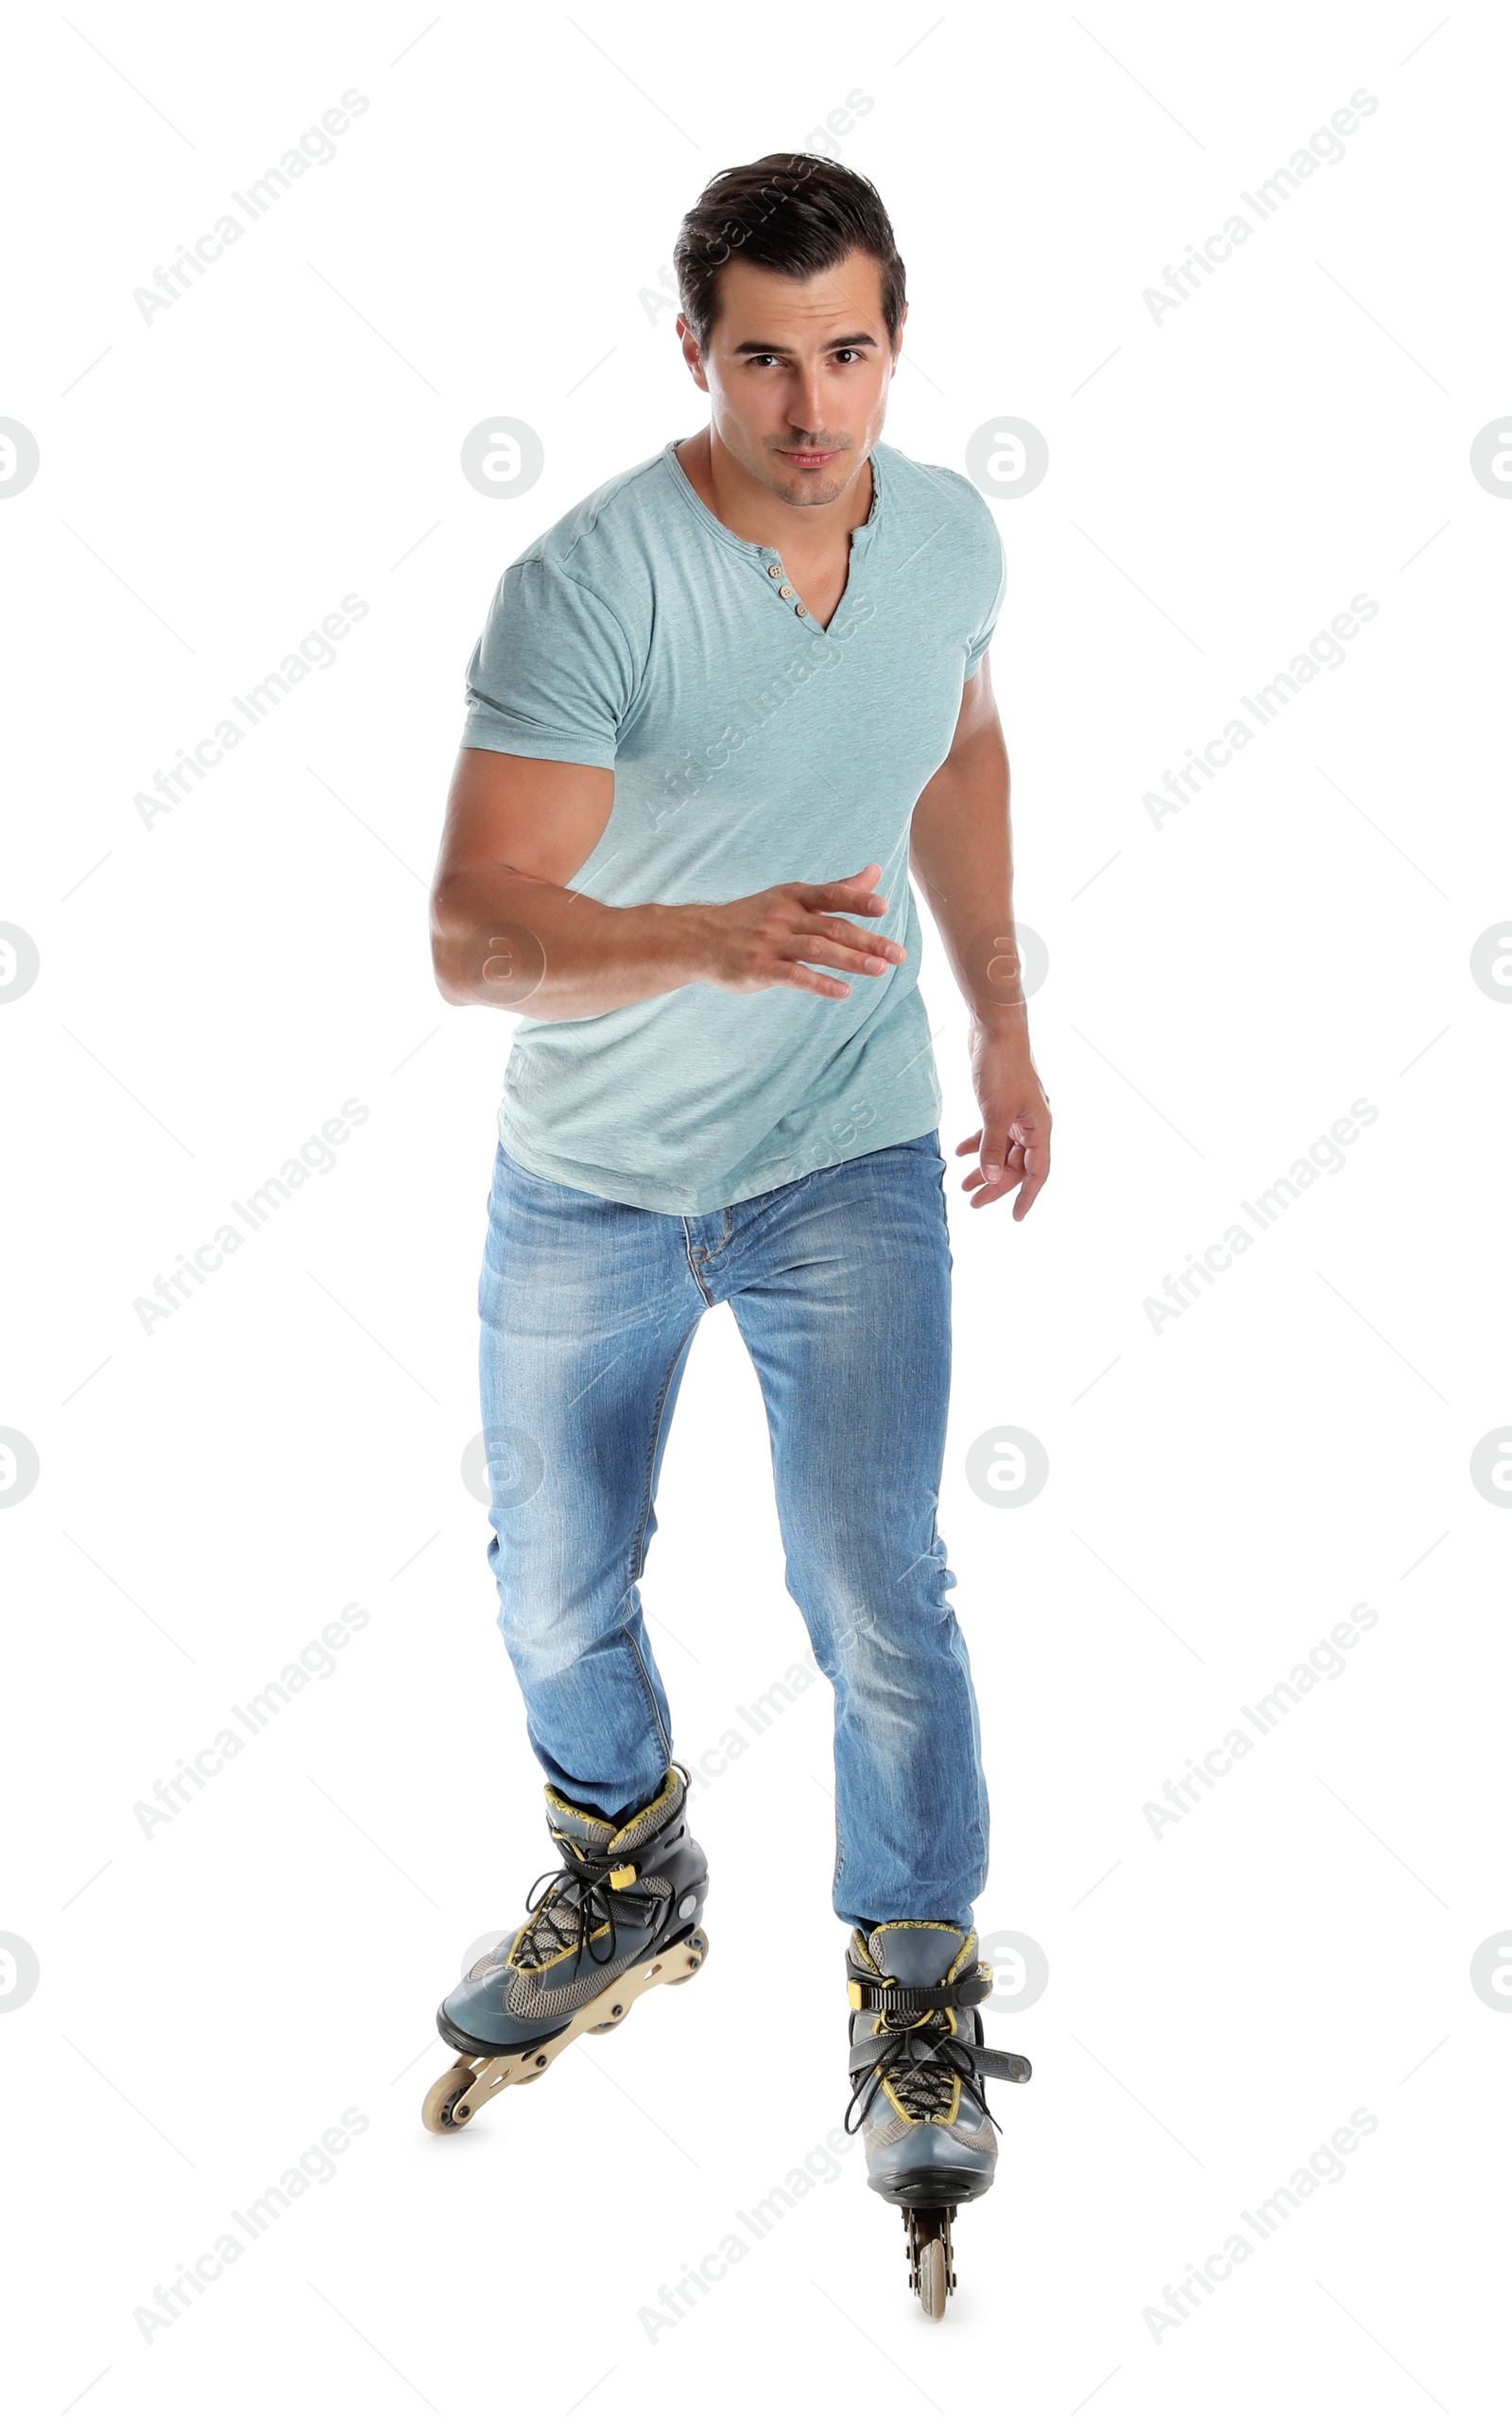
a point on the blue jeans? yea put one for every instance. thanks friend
(840, 1286)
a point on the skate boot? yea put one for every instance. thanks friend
(916, 2062)
(620, 1914)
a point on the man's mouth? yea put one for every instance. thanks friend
(809, 459)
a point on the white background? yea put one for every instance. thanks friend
(1221, 1493)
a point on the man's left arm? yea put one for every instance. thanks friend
(961, 853)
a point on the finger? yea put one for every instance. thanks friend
(864, 941)
(976, 1180)
(1009, 1165)
(1009, 1180)
(1036, 1174)
(996, 1143)
(1010, 1173)
(872, 956)
(836, 957)
(798, 975)
(866, 878)
(874, 941)
(853, 894)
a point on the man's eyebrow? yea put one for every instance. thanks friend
(771, 346)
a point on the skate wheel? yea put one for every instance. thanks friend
(934, 2278)
(437, 2109)
(609, 2024)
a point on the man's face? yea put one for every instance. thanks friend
(797, 373)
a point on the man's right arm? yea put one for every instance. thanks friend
(506, 929)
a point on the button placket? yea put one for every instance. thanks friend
(785, 589)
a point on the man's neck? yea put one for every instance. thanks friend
(753, 513)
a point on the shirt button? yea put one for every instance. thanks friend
(775, 571)
(786, 592)
(801, 610)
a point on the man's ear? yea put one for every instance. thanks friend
(695, 360)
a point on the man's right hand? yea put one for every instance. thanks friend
(508, 929)
(768, 941)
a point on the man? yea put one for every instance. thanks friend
(714, 714)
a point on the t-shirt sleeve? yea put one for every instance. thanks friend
(977, 648)
(553, 675)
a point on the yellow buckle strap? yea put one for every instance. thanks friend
(622, 1877)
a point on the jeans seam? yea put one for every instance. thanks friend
(650, 1693)
(638, 1548)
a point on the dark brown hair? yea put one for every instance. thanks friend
(793, 211)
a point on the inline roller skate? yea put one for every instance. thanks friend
(620, 1914)
(918, 2060)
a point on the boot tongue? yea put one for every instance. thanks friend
(916, 1954)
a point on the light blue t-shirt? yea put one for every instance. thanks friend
(749, 747)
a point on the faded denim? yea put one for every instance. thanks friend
(840, 1286)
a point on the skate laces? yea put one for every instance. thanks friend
(581, 1899)
(576, 1907)
(921, 2062)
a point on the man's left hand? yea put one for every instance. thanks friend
(1012, 1148)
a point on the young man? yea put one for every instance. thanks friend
(715, 711)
